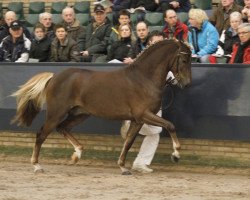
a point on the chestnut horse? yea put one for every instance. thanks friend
(130, 93)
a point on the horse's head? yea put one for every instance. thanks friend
(163, 56)
(181, 67)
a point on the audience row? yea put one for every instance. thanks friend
(224, 36)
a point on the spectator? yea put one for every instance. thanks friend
(241, 50)
(15, 47)
(72, 25)
(246, 9)
(177, 5)
(228, 38)
(117, 6)
(119, 49)
(40, 46)
(141, 42)
(63, 48)
(220, 16)
(124, 18)
(46, 19)
(94, 43)
(173, 27)
(9, 17)
(203, 36)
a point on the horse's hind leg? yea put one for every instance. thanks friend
(152, 119)
(53, 118)
(131, 135)
(65, 127)
(41, 136)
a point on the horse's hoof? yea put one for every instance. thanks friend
(38, 169)
(175, 159)
(126, 173)
(74, 159)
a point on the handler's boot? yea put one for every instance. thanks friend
(142, 168)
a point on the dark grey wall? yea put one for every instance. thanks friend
(216, 106)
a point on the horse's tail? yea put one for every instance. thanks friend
(30, 98)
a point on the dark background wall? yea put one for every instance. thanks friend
(216, 106)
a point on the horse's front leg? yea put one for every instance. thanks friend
(132, 132)
(77, 146)
(64, 129)
(155, 120)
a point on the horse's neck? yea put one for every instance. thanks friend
(155, 70)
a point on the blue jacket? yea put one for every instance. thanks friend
(203, 41)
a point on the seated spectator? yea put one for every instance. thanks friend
(228, 38)
(119, 49)
(245, 9)
(176, 5)
(9, 17)
(203, 36)
(40, 45)
(140, 43)
(220, 16)
(117, 6)
(46, 19)
(173, 27)
(94, 43)
(16, 46)
(63, 48)
(124, 18)
(72, 25)
(241, 50)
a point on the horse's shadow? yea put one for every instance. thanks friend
(206, 100)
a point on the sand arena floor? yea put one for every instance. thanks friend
(95, 180)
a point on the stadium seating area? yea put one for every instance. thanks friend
(83, 12)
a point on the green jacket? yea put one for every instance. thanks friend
(75, 30)
(67, 52)
(95, 41)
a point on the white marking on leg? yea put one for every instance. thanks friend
(78, 152)
(176, 152)
(37, 167)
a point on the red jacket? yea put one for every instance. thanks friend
(246, 56)
(181, 32)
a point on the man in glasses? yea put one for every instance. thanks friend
(241, 50)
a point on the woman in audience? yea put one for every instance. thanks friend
(63, 48)
(203, 36)
(119, 49)
(241, 50)
(228, 38)
(40, 46)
